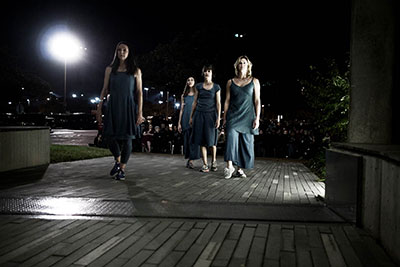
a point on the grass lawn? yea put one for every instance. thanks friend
(62, 153)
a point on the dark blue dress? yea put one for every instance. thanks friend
(120, 117)
(205, 116)
(187, 109)
(191, 150)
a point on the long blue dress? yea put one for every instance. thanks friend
(204, 118)
(120, 117)
(239, 126)
(191, 150)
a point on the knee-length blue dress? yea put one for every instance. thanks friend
(120, 115)
(239, 126)
(205, 115)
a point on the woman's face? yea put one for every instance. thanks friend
(207, 74)
(123, 52)
(190, 81)
(243, 65)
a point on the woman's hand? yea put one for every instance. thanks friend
(217, 123)
(256, 123)
(140, 120)
(179, 128)
(99, 116)
(191, 122)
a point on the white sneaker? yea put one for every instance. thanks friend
(240, 173)
(228, 172)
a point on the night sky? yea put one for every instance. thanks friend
(281, 39)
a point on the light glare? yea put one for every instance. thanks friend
(65, 47)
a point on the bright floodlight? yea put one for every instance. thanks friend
(65, 47)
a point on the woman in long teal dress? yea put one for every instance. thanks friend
(205, 117)
(123, 115)
(241, 118)
(191, 151)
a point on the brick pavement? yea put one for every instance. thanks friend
(167, 215)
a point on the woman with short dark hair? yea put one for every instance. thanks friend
(205, 117)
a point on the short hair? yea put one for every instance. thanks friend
(250, 65)
(208, 67)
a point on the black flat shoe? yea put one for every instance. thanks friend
(115, 169)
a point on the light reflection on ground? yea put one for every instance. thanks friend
(63, 206)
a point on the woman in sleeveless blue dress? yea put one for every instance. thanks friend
(205, 117)
(123, 115)
(241, 118)
(191, 151)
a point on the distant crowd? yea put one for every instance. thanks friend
(284, 139)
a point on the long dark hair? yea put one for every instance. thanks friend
(186, 90)
(130, 63)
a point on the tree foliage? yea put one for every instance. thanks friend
(13, 79)
(326, 90)
(170, 64)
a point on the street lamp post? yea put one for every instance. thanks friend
(65, 85)
(67, 48)
(167, 104)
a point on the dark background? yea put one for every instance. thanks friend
(281, 39)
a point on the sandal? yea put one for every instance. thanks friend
(189, 164)
(214, 166)
(205, 168)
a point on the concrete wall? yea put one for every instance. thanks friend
(379, 189)
(373, 122)
(24, 147)
(381, 202)
(372, 52)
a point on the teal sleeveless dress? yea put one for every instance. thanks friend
(121, 111)
(191, 151)
(239, 126)
(187, 109)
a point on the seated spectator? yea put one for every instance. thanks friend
(147, 138)
(157, 140)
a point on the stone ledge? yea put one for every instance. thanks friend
(388, 152)
(21, 128)
(24, 147)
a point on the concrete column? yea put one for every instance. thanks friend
(372, 55)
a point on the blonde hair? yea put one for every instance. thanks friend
(250, 65)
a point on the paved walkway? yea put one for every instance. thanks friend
(167, 215)
(72, 137)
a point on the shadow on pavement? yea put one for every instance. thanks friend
(10, 179)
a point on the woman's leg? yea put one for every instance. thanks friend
(204, 154)
(229, 164)
(214, 153)
(115, 149)
(231, 147)
(126, 152)
(148, 146)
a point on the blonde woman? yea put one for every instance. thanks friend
(241, 118)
